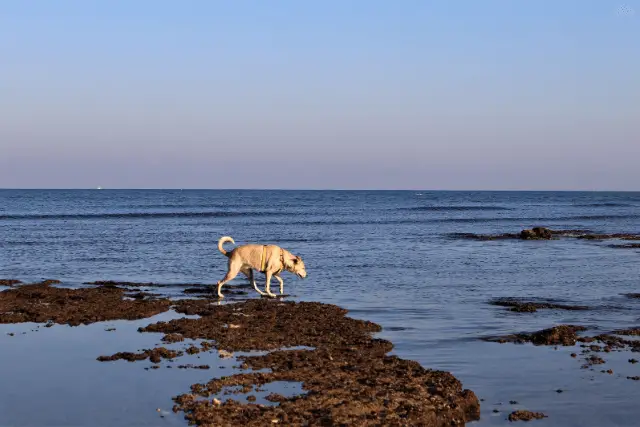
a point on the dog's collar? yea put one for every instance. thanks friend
(282, 266)
(263, 259)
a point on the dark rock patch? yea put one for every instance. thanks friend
(189, 366)
(593, 360)
(276, 398)
(613, 342)
(193, 350)
(9, 282)
(520, 306)
(544, 233)
(141, 295)
(172, 338)
(154, 355)
(536, 233)
(566, 335)
(41, 303)
(526, 416)
(631, 331)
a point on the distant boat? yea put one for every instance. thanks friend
(99, 188)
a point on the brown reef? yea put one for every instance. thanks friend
(43, 303)
(347, 376)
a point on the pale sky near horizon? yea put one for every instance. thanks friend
(374, 94)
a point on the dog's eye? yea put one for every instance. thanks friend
(295, 260)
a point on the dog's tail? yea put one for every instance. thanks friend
(222, 241)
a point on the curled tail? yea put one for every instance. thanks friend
(222, 241)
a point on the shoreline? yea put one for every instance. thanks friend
(344, 374)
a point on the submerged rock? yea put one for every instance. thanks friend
(155, 355)
(565, 335)
(526, 416)
(544, 233)
(626, 246)
(536, 233)
(522, 306)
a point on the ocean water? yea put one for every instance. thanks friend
(387, 256)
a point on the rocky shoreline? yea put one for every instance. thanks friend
(346, 375)
(544, 233)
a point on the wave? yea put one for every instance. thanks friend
(180, 205)
(604, 205)
(456, 208)
(601, 217)
(124, 215)
(327, 221)
(455, 220)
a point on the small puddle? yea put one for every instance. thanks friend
(267, 394)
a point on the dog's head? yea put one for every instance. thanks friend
(297, 267)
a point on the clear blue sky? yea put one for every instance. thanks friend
(446, 94)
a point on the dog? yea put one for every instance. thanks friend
(268, 259)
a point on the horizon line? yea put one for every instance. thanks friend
(317, 189)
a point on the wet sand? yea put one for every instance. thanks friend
(341, 374)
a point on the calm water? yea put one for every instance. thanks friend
(386, 256)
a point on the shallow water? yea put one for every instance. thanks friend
(388, 257)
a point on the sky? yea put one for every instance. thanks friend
(331, 94)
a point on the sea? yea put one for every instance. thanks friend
(391, 257)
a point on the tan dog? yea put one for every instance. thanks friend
(268, 259)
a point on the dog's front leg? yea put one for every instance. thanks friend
(281, 283)
(253, 282)
(268, 285)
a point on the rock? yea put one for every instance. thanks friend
(536, 233)
(526, 416)
(630, 331)
(172, 338)
(225, 354)
(41, 303)
(523, 306)
(155, 355)
(565, 335)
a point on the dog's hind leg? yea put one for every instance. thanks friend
(268, 285)
(281, 283)
(234, 269)
(253, 282)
